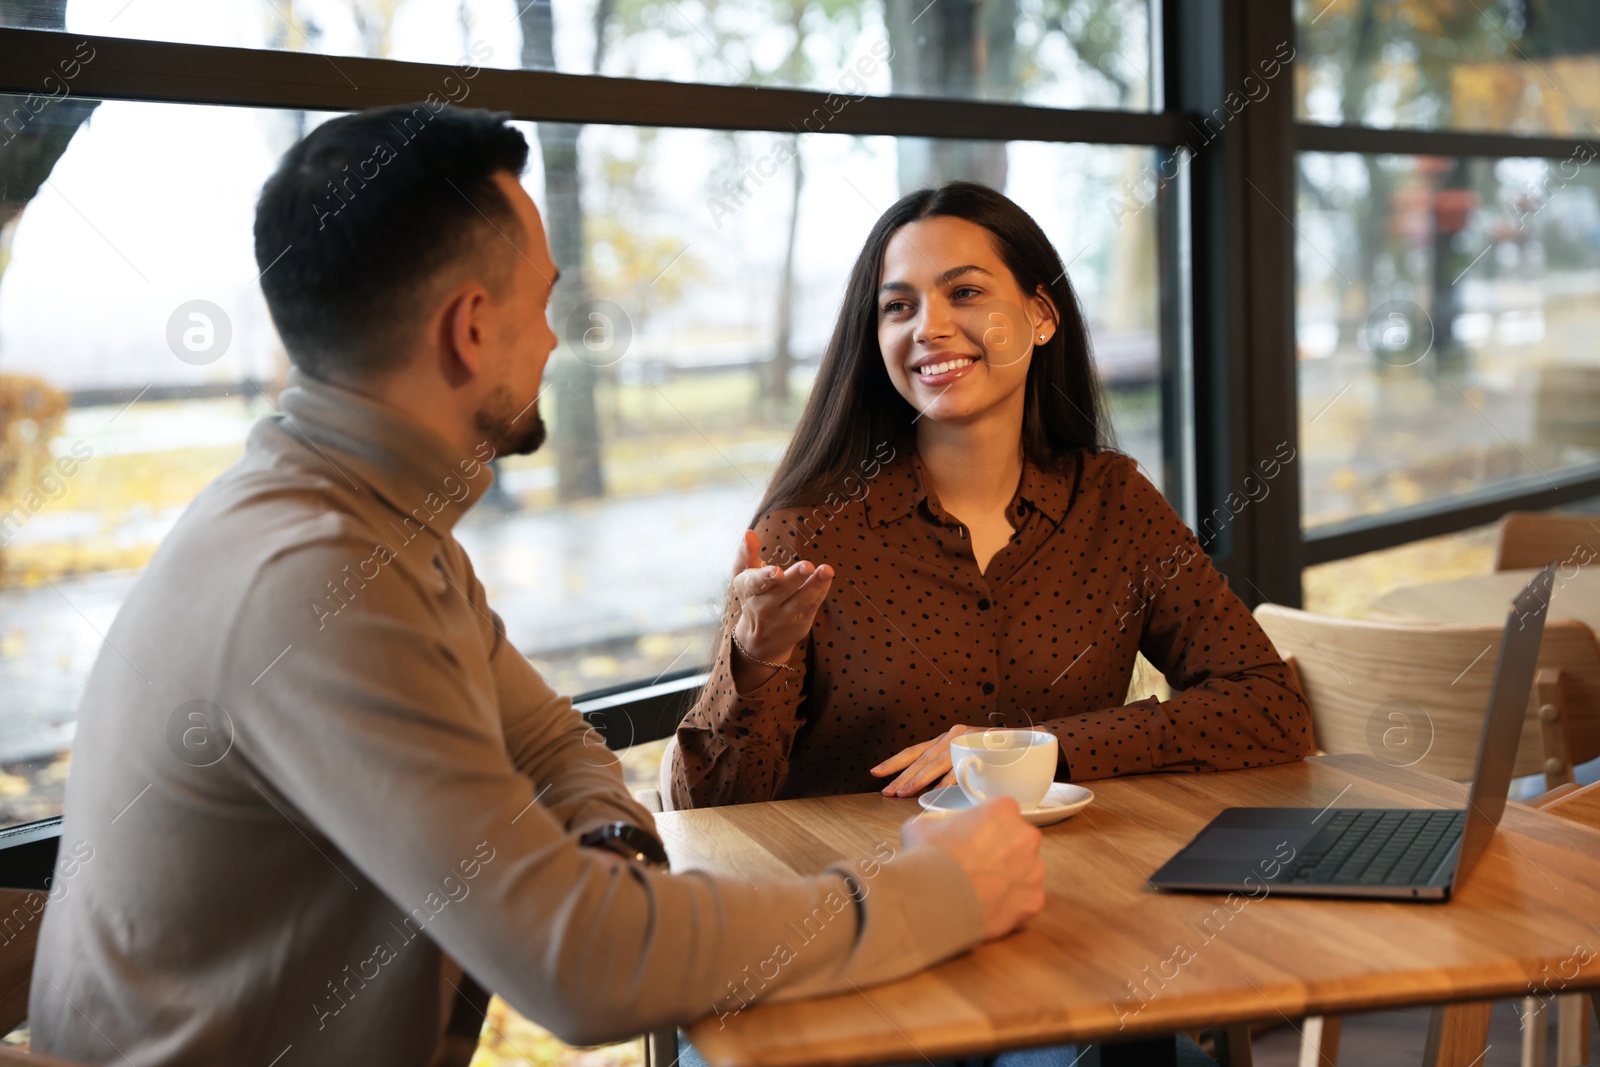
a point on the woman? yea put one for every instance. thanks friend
(982, 558)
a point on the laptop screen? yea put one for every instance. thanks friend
(1508, 703)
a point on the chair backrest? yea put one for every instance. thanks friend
(1564, 404)
(1570, 646)
(20, 912)
(1415, 694)
(1533, 538)
(33, 1059)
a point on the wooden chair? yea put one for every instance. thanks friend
(1533, 538)
(34, 1059)
(1580, 805)
(1564, 404)
(20, 913)
(1415, 694)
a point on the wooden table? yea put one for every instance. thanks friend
(1486, 598)
(1111, 959)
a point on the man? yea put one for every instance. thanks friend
(308, 761)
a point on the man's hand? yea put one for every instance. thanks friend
(921, 765)
(999, 853)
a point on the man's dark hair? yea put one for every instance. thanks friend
(365, 213)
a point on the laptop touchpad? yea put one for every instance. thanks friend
(1221, 843)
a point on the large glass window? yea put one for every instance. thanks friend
(1446, 312)
(1064, 53)
(1511, 66)
(711, 269)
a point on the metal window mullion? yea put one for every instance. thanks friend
(1244, 375)
(1175, 264)
(1193, 75)
(1438, 518)
(1271, 416)
(1176, 259)
(162, 71)
(1311, 137)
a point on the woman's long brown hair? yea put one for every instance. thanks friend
(854, 409)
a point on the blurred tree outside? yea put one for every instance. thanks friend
(31, 413)
(1473, 64)
(975, 49)
(33, 141)
(577, 431)
(30, 410)
(812, 28)
(955, 48)
(1505, 65)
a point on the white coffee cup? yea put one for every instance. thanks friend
(1019, 764)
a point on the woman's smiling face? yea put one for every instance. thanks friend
(956, 331)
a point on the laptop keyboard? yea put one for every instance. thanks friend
(1367, 847)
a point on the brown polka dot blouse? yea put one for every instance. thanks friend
(913, 639)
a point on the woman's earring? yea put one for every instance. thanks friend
(1041, 337)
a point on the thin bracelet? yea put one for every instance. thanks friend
(765, 663)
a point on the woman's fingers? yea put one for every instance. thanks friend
(753, 582)
(761, 580)
(934, 764)
(900, 759)
(749, 554)
(805, 601)
(777, 586)
(923, 765)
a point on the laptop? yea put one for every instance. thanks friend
(1393, 854)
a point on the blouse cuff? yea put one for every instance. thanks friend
(1116, 741)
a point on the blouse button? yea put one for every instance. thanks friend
(988, 688)
(983, 604)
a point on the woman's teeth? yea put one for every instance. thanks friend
(941, 368)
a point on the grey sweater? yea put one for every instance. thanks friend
(308, 762)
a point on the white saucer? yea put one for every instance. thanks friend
(1061, 801)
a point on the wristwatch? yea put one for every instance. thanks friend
(628, 841)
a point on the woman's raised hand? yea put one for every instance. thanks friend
(776, 610)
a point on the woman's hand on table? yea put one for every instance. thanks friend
(776, 609)
(921, 766)
(998, 852)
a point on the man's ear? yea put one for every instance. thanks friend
(464, 334)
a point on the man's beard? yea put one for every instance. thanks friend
(509, 428)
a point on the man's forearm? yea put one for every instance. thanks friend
(575, 776)
(580, 782)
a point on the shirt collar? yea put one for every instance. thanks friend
(1051, 492)
(903, 486)
(418, 473)
(896, 491)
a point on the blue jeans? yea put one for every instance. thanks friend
(1189, 1055)
(1058, 1056)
